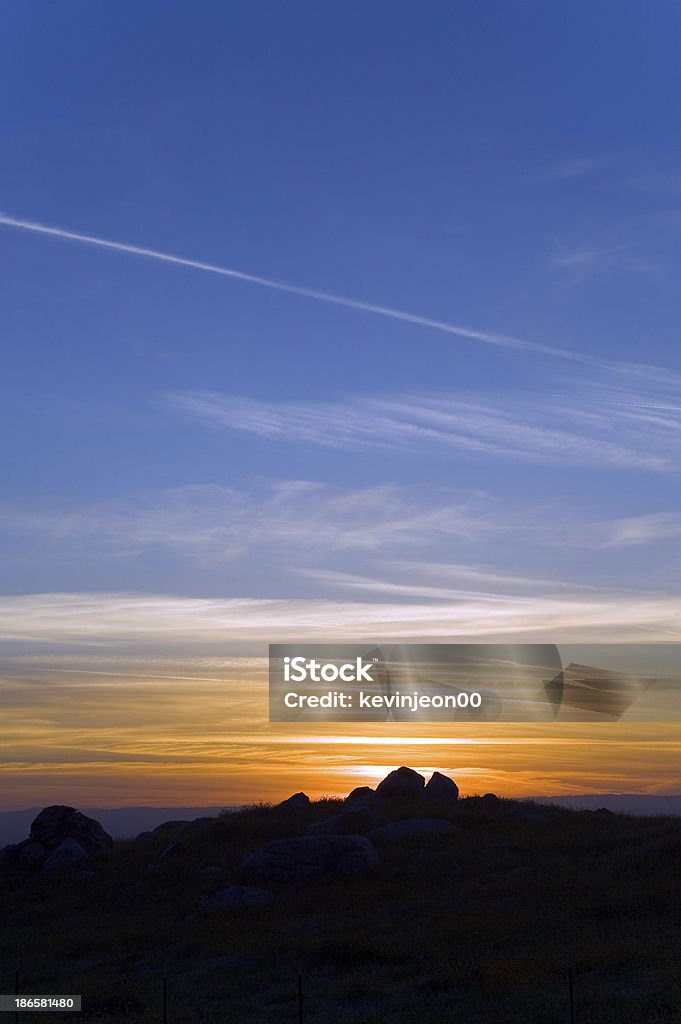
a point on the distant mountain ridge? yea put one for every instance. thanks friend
(624, 803)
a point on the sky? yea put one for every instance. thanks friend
(336, 320)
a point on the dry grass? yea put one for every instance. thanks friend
(477, 927)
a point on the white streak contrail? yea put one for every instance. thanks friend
(487, 338)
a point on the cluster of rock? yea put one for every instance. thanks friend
(293, 860)
(406, 784)
(344, 843)
(59, 835)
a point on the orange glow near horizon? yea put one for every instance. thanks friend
(202, 738)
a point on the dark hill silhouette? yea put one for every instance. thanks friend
(126, 822)
(440, 908)
(622, 803)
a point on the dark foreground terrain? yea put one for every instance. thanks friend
(478, 926)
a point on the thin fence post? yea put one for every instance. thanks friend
(165, 999)
(571, 992)
(300, 999)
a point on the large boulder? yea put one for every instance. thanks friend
(292, 860)
(236, 897)
(166, 826)
(402, 784)
(68, 852)
(10, 853)
(59, 835)
(442, 789)
(33, 853)
(297, 802)
(55, 824)
(346, 823)
(173, 850)
(205, 819)
(413, 828)
(361, 796)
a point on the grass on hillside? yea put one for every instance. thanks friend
(478, 927)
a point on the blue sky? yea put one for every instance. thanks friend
(188, 455)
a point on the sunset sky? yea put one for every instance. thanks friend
(330, 322)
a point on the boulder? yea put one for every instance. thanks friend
(33, 853)
(10, 853)
(236, 897)
(169, 826)
(68, 852)
(361, 796)
(55, 824)
(292, 860)
(174, 850)
(411, 828)
(442, 789)
(402, 784)
(346, 823)
(296, 802)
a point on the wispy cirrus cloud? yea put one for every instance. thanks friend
(631, 424)
(644, 243)
(284, 517)
(137, 622)
(645, 529)
(442, 581)
(587, 258)
(412, 540)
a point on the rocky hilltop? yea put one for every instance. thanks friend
(402, 806)
(407, 902)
